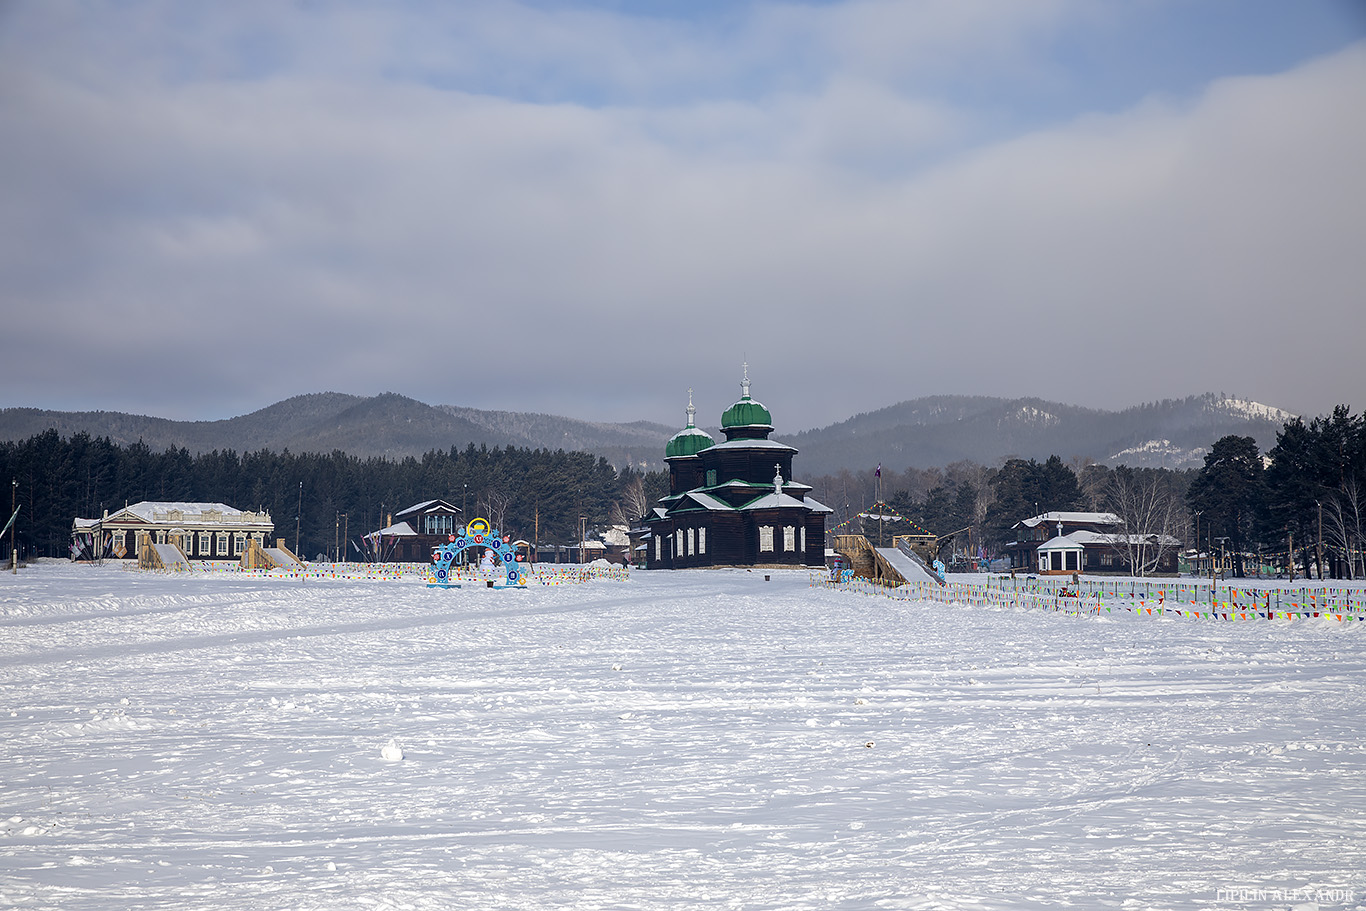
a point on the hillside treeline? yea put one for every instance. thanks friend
(82, 476)
(1305, 496)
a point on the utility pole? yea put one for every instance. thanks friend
(1197, 541)
(13, 528)
(1318, 546)
(297, 513)
(336, 537)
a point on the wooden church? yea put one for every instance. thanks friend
(734, 503)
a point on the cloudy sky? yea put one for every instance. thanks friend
(586, 208)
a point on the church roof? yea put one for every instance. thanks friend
(773, 500)
(753, 444)
(690, 440)
(747, 412)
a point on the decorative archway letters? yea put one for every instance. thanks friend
(476, 534)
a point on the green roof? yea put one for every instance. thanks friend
(746, 413)
(687, 442)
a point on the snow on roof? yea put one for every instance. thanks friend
(816, 506)
(1094, 518)
(1061, 542)
(707, 501)
(425, 504)
(774, 501)
(1100, 537)
(397, 530)
(751, 444)
(153, 510)
(737, 482)
(174, 511)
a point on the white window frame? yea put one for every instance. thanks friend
(766, 539)
(701, 540)
(802, 533)
(202, 540)
(789, 539)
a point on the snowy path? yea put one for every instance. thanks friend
(681, 740)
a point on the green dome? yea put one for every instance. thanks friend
(688, 442)
(746, 413)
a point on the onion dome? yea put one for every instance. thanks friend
(746, 412)
(690, 440)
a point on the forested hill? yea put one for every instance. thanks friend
(920, 433)
(388, 425)
(939, 430)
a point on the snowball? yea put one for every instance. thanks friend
(391, 752)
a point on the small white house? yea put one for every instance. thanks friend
(1061, 555)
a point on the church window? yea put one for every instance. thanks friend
(711, 477)
(766, 538)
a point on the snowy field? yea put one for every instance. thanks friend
(696, 739)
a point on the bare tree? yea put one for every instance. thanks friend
(1345, 526)
(633, 503)
(493, 505)
(1149, 514)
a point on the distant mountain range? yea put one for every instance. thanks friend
(922, 433)
(938, 430)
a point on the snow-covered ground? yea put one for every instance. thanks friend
(697, 739)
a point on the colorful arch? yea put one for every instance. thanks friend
(477, 534)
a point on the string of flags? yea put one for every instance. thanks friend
(539, 573)
(880, 511)
(1241, 605)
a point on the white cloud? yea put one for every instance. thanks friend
(335, 230)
